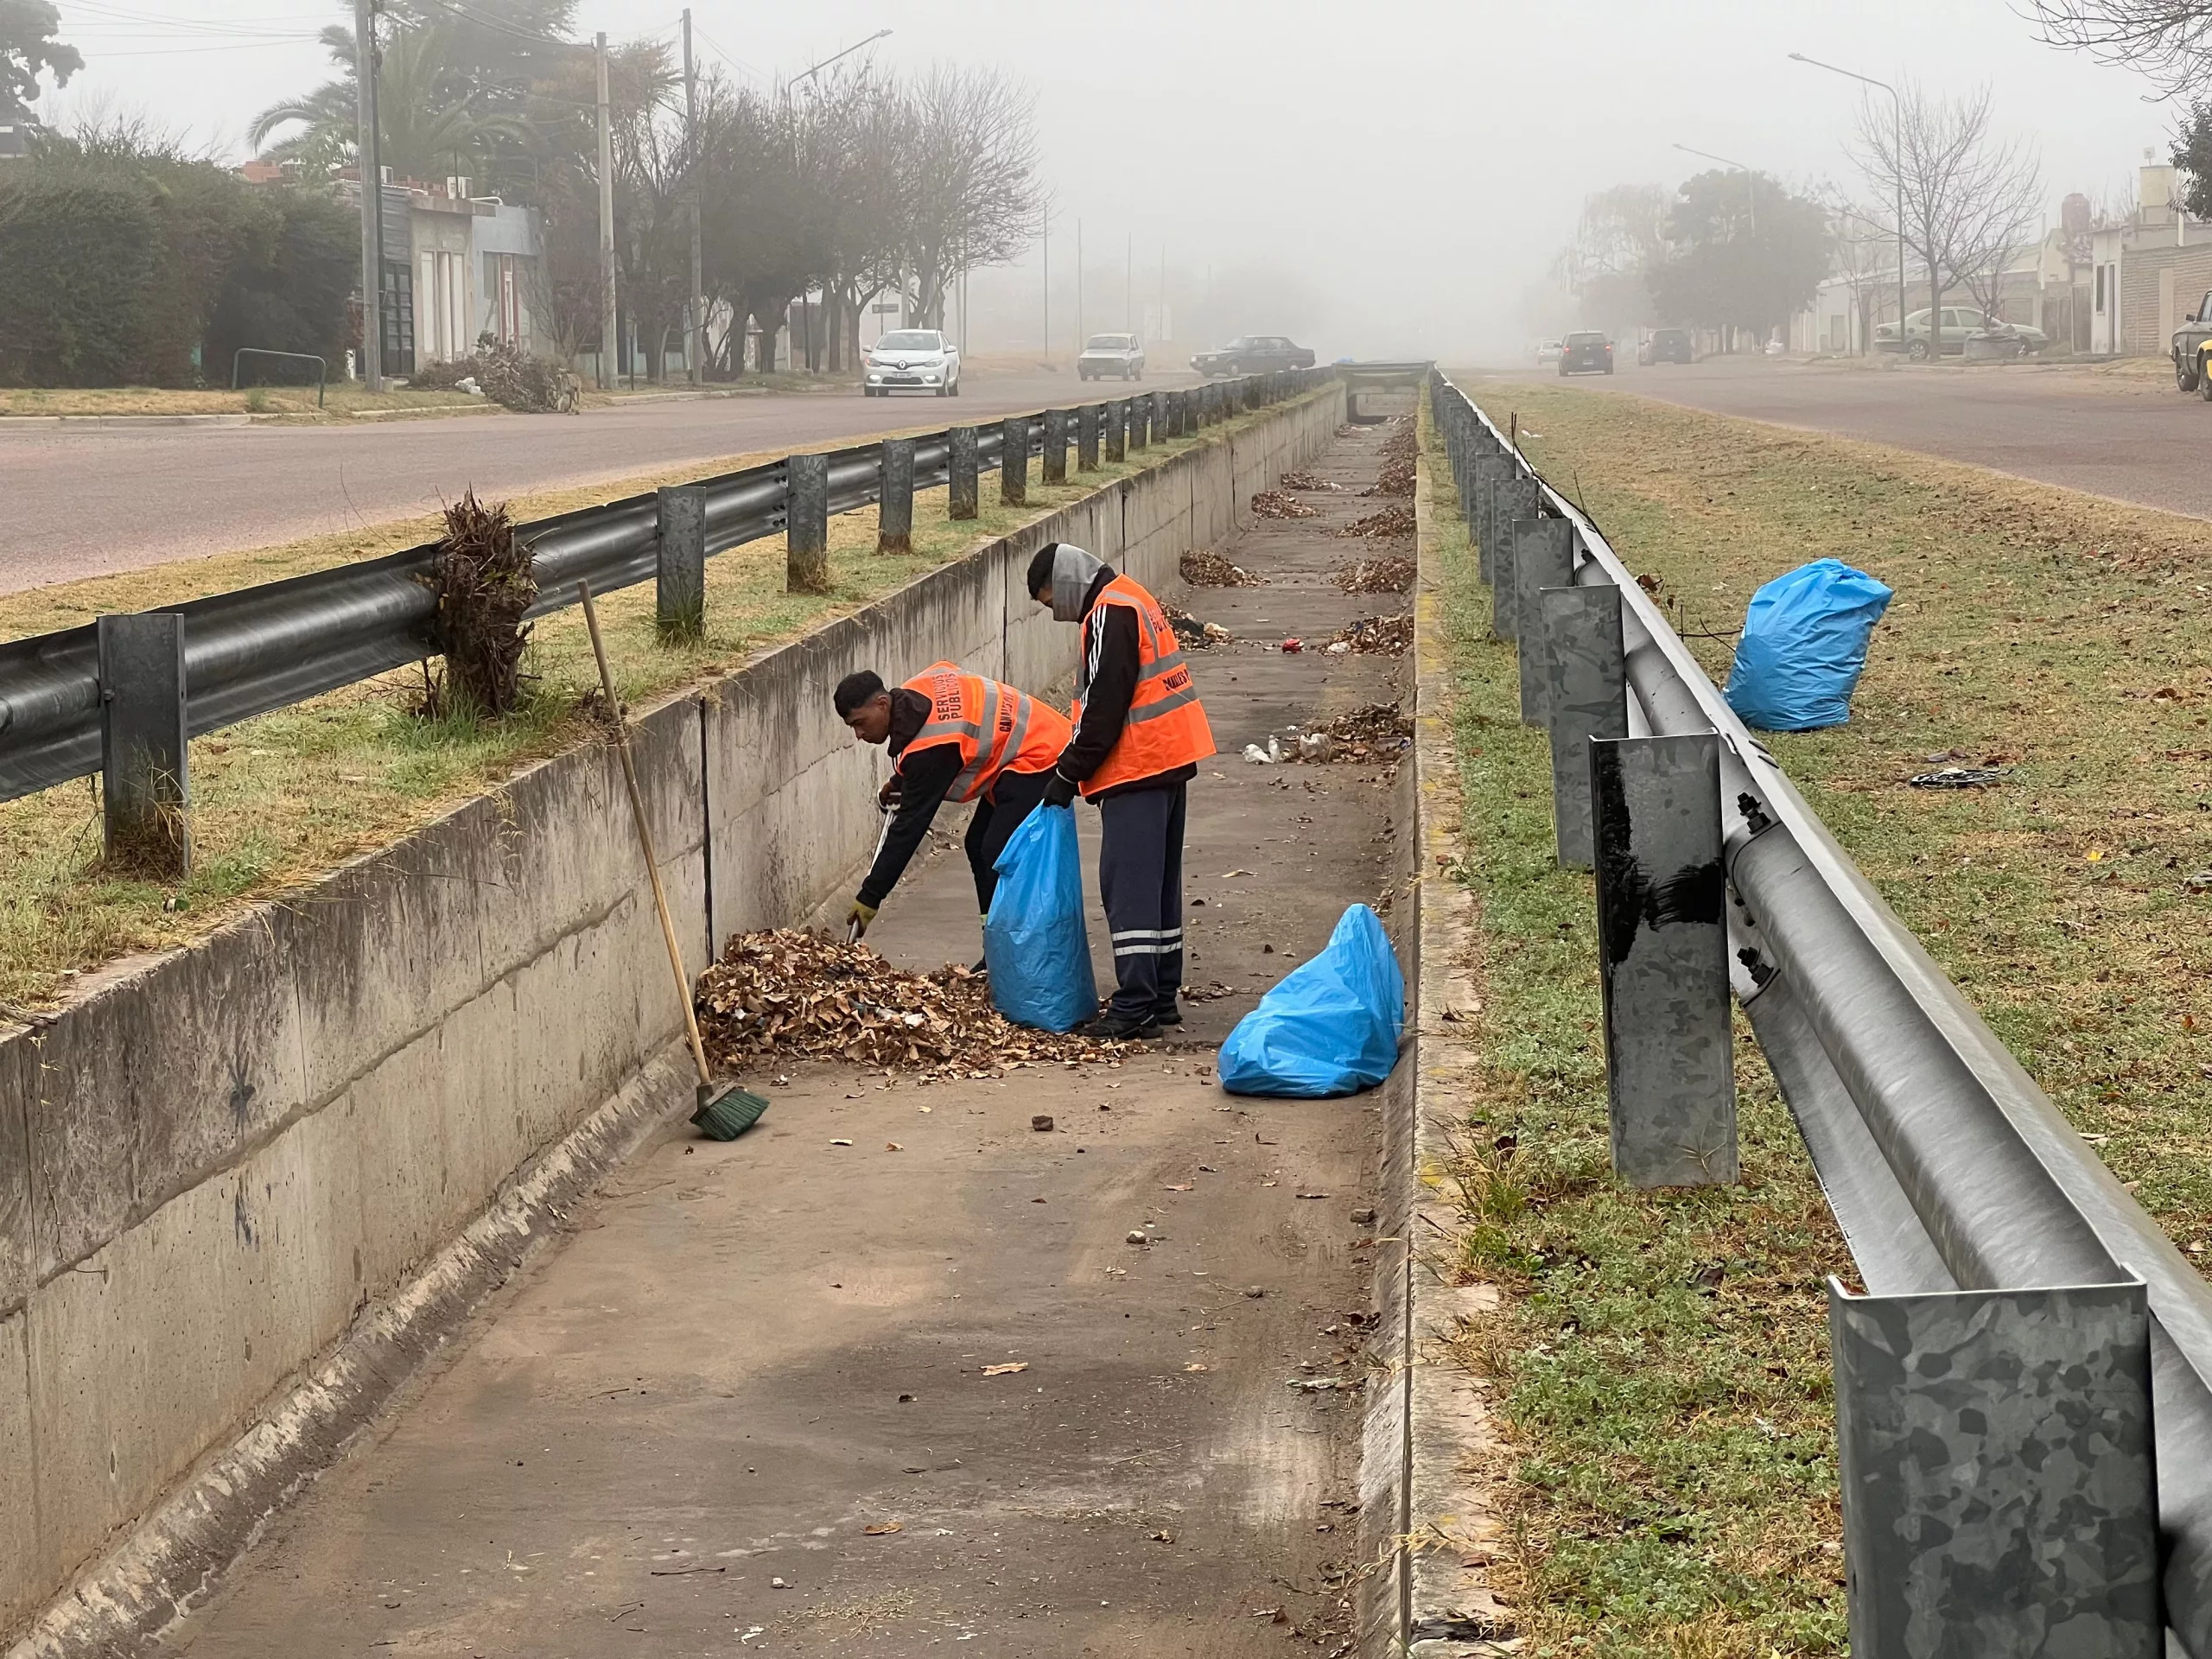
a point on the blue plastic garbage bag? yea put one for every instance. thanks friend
(1330, 1026)
(1034, 942)
(1804, 646)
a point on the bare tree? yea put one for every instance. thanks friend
(1959, 185)
(2004, 221)
(1620, 240)
(1866, 259)
(2169, 41)
(969, 177)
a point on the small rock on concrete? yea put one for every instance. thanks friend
(1042, 1122)
(1135, 1237)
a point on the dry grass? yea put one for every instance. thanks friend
(280, 800)
(344, 401)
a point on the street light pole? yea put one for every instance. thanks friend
(694, 345)
(1897, 164)
(1750, 178)
(608, 345)
(809, 72)
(371, 153)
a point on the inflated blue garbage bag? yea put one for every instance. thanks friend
(1034, 942)
(1804, 646)
(1330, 1026)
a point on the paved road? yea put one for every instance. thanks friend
(2133, 439)
(743, 1357)
(87, 502)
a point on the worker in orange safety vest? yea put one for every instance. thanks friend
(954, 736)
(1140, 734)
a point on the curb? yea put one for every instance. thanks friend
(9, 422)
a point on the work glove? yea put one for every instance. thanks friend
(1060, 790)
(886, 798)
(856, 922)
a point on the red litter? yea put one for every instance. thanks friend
(1294, 645)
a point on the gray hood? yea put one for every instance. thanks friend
(1073, 571)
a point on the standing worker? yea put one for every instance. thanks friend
(953, 736)
(1140, 734)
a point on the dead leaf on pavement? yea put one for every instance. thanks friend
(1006, 1370)
(877, 1529)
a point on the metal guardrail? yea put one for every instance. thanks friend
(267, 647)
(321, 368)
(1948, 1168)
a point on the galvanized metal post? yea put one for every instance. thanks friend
(1140, 408)
(1511, 500)
(1088, 419)
(1588, 699)
(1117, 430)
(1999, 1494)
(1543, 557)
(1504, 579)
(1488, 477)
(894, 506)
(960, 466)
(1663, 958)
(145, 796)
(1159, 432)
(680, 562)
(806, 525)
(1056, 446)
(1014, 462)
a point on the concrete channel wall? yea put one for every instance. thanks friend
(221, 1166)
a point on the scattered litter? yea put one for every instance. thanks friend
(1323, 1384)
(1272, 755)
(1313, 1195)
(1256, 1292)
(1042, 1122)
(1393, 574)
(1314, 747)
(892, 1146)
(1194, 634)
(1397, 451)
(1217, 990)
(1208, 569)
(1273, 504)
(2199, 882)
(1230, 875)
(1377, 731)
(1132, 1236)
(1197, 1365)
(1389, 635)
(1178, 1186)
(1302, 480)
(1383, 522)
(788, 993)
(841, 1144)
(1961, 778)
(1006, 1370)
(778, 1584)
(1292, 645)
(882, 1528)
(1161, 1537)
(1339, 648)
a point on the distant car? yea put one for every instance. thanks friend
(1253, 354)
(1547, 351)
(1119, 355)
(1587, 351)
(1959, 321)
(1666, 346)
(912, 359)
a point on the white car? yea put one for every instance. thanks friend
(1119, 355)
(1550, 351)
(912, 359)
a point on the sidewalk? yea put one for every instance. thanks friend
(743, 1357)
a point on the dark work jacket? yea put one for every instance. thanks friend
(924, 782)
(1113, 684)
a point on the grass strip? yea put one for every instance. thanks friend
(1661, 1358)
(279, 800)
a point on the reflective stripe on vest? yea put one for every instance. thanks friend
(1166, 728)
(996, 728)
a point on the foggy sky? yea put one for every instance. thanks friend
(1385, 177)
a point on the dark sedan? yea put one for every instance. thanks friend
(1586, 352)
(1253, 354)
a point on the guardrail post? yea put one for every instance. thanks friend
(1140, 408)
(144, 796)
(1663, 958)
(961, 464)
(1178, 407)
(894, 500)
(1056, 446)
(680, 562)
(1160, 433)
(1485, 478)
(1117, 430)
(1088, 419)
(1999, 1483)
(1505, 577)
(1014, 462)
(1543, 557)
(1512, 497)
(806, 525)
(1588, 699)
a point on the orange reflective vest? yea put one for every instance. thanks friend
(1166, 727)
(997, 728)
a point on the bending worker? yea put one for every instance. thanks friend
(957, 737)
(1140, 734)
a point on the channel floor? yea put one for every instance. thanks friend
(742, 1405)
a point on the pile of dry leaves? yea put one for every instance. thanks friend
(1205, 570)
(1194, 634)
(1379, 728)
(794, 994)
(1392, 575)
(1302, 480)
(1396, 477)
(1389, 521)
(1273, 504)
(1390, 635)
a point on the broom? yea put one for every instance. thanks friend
(728, 1111)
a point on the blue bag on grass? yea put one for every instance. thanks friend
(1034, 942)
(1804, 646)
(1330, 1026)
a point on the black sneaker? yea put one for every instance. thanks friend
(1112, 1027)
(1170, 1015)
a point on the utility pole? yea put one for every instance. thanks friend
(1045, 237)
(1078, 288)
(1162, 319)
(694, 307)
(371, 154)
(1129, 285)
(609, 345)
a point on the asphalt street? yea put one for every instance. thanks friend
(2134, 438)
(84, 501)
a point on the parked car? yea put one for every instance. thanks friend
(1586, 351)
(1119, 355)
(1666, 346)
(912, 359)
(2188, 349)
(1547, 351)
(1959, 321)
(1253, 354)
